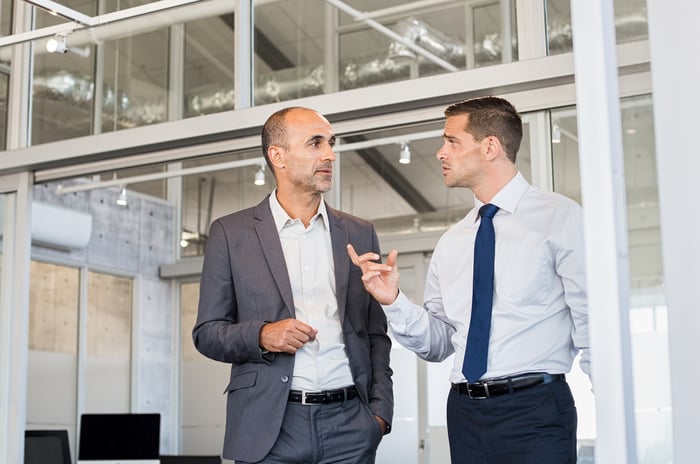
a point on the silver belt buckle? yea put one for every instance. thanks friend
(486, 392)
(303, 397)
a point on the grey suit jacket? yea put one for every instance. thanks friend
(245, 283)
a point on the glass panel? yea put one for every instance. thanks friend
(490, 39)
(154, 188)
(368, 56)
(108, 372)
(209, 59)
(5, 17)
(118, 5)
(648, 310)
(63, 83)
(135, 81)
(523, 160)
(397, 197)
(630, 23)
(53, 342)
(211, 195)
(289, 50)
(203, 405)
(291, 64)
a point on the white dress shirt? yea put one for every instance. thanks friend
(539, 318)
(321, 364)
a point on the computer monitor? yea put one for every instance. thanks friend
(119, 438)
(46, 447)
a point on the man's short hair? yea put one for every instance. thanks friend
(491, 116)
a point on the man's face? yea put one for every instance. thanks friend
(309, 155)
(460, 155)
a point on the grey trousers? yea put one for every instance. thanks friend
(345, 432)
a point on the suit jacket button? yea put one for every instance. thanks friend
(284, 379)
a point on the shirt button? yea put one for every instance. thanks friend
(284, 379)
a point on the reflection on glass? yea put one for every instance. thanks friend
(135, 81)
(108, 372)
(209, 75)
(189, 300)
(432, 39)
(63, 84)
(368, 56)
(396, 197)
(523, 160)
(53, 342)
(648, 310)
(202, 422)
(492, 44)
(630, 23)
(208, 196)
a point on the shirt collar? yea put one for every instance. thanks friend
(508, 197)
(282, 218)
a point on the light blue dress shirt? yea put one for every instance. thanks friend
(539, 320)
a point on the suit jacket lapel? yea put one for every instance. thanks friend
(272, 249)
(341, 261)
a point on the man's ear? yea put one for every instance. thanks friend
(277, 156)
(492, 147)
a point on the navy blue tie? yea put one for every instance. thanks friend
(482, 297)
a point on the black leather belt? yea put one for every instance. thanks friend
(323, 397)
(504, 385)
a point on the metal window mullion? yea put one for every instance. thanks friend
(506, 32)
(531, 29)
(82, 350)
(176, 70)
(540, 149)
(243, 57)
(14, 323)
(331, 52)
(19, 92)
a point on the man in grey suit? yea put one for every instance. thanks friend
(282, 303)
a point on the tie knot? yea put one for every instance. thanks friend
(488, 210)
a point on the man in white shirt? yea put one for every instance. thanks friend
(282, 303)
(517, 408)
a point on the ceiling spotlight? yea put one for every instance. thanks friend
(121, 199)
(57, 44)
(556, 132)
(260, 176)
(405, 157)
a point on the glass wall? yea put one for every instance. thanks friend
(648, 319)
(203, 416)
(180, 62)
(208, 65)
(210, 195)
(53, 347)
(63, 84)
(630, 23)
(109, 322)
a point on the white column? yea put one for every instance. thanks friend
(673, 39)
(14, 305)
(605, 227)
(14, 322)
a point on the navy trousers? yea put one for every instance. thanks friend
(532, 426)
